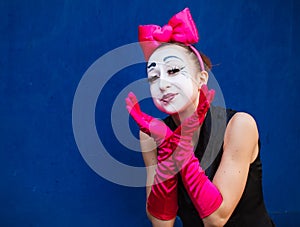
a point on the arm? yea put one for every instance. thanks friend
(240, 150)
(149, 153)
(162, 196)
(162, 199)
(148, 147)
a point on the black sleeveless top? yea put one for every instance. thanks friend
(250, 211)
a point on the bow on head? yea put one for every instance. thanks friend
(180, 28)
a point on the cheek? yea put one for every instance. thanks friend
(188, 87)
(155, 91)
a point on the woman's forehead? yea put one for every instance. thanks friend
(168, 53)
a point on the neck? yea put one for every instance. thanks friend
(179, 118)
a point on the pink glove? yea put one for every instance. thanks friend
(162, 201)
(182, 157)
(159, 131)
(203, 193)
(164, 192)
(153, 127)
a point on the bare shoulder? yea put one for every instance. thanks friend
(242, 122)
(239, 150)
(241, 135)
(243, 119)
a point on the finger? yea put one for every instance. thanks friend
(129, 103)
(211, 95)
(206, 95)
(131, 98)
(203, 94)
(134, 101)
(204, 88)
(129, 109)
(135, 115)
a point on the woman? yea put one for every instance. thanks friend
(229, 191)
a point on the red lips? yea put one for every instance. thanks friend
(168, 97)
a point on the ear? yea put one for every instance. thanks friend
(203, 76)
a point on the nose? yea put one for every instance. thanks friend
(164, 83)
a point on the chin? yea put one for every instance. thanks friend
(168, 109)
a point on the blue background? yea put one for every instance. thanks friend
(46, 47)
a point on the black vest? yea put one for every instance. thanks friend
(250, 211)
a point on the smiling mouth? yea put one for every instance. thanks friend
(168, 98)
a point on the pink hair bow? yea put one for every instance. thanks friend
(180, 28)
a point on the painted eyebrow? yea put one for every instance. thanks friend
(153, 64)
(166, 58)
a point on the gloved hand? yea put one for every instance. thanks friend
(159, 131)
(203, 193)
(164, 191)
(154, 127)
(162, 201)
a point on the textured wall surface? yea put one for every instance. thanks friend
(47, 46)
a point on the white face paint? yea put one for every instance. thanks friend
(173, 81)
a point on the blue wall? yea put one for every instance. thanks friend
(46, 47)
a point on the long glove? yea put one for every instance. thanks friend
(162, 201)
(203, 193)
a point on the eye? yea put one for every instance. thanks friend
(174, 70)
(153, 78)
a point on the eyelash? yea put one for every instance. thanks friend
(152, 78)
(172, 71)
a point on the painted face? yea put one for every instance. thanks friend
(173, 81)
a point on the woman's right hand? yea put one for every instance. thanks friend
(167, 140)
(154, 127)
